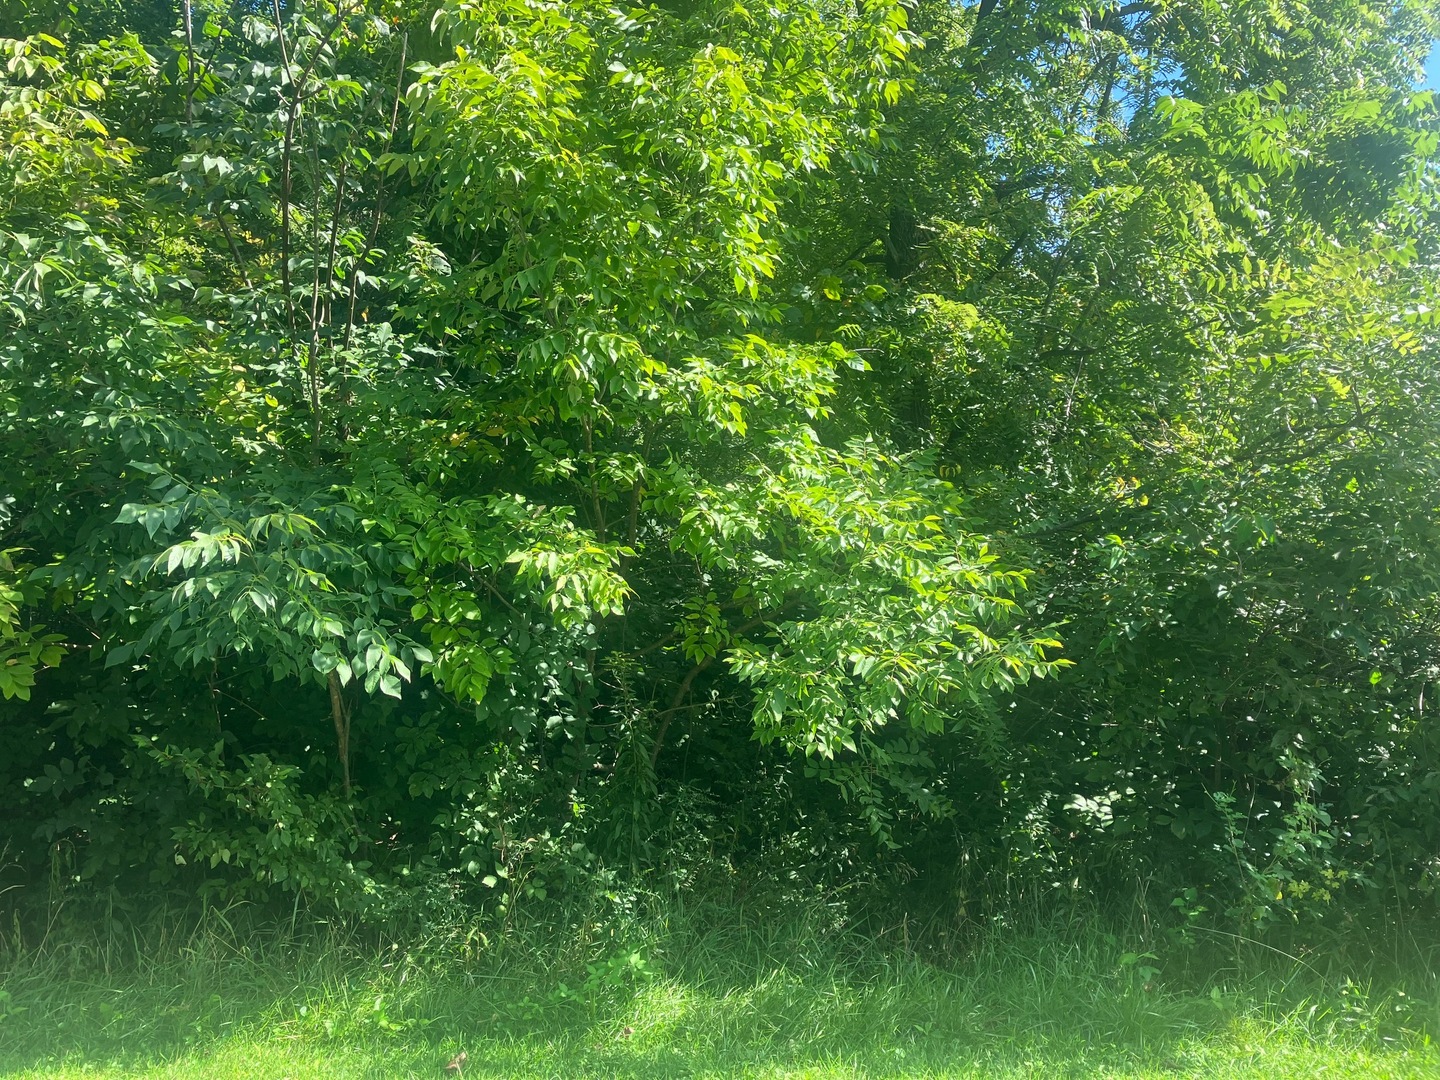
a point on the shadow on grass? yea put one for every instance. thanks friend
(1042, 1012)
(716, 993)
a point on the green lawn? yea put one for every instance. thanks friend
(1261, 1054)
(702, 1003)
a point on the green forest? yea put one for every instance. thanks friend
(475, 469)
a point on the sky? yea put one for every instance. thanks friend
(1432, 68)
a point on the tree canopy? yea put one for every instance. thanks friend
(966, 448)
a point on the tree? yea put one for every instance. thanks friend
(518, 437)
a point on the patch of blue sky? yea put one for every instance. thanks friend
(1431, 79)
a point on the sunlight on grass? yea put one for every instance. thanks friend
(1269, 1057)
(1039, 1006)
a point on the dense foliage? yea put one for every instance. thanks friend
(969, 449)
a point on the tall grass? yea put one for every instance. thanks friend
(719, 986)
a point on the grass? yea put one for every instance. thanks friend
(714, 992)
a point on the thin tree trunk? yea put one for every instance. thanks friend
(189, 19)
(340, 716)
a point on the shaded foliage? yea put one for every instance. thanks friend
(544, 439)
